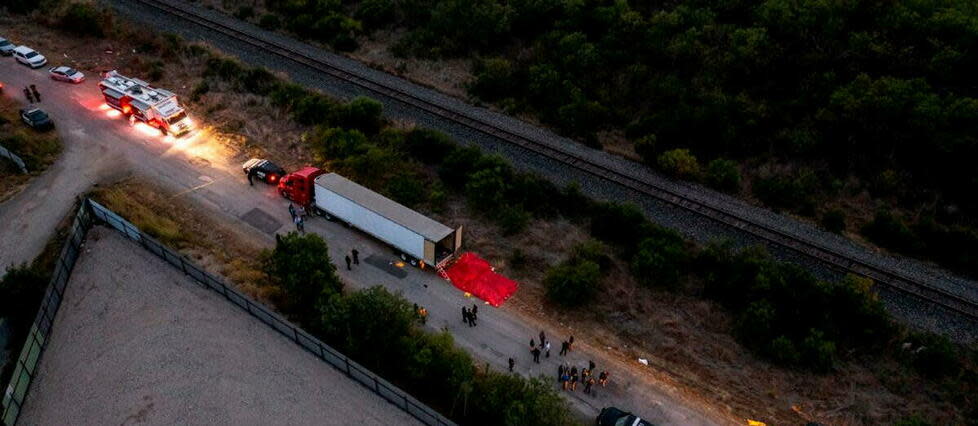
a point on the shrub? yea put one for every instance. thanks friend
(244, 13)
(486, 189)
(359, 323)
(313, 108)
(512, 220)
(934, 356)
(199, 90)
(783, 351)
(889, 231)
(375, 13)
(795, 193)
(817, 352)
(429, 146)
(406, 189)
(85, 20)
(660, 260)
(536, 194)
(646, 148)
(572, 284)
(362, 113)
(286, 95)
(593, 251)
(679, 163)
(834, 221)
(270, 21)
(302, 267)
(458, 164)
(493, 79)
(723, 174)
(257, 80)
(333, 143)
(622, 224)
(518, 260)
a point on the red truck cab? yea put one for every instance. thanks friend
(298, 186)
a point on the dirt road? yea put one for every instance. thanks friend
(99, 146)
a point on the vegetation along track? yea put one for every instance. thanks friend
(772, 236)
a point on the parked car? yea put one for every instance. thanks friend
(611, 416)
(36, 118)
(6, 47)
(63, 73)
(266, 171)
(29, 57)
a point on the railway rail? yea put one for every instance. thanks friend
(770, 235)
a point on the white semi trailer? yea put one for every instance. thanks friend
(416, 237)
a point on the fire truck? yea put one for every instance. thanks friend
(139, 101)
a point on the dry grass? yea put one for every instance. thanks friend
(215, 246)
(37, 149)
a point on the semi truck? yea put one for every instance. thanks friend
(139, 101)
(418, 239)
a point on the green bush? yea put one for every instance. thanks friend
(574, 283)
(679, 163)
(428, 146)
(406, 189)
(723, 174)
(359, 323)
(458, 165)
(362, 113)
(85, 20)
(287, 95)
(593, 251)
(834, 221)
(270, 21)
(244, 13)
(313, 108)
(301, 266)
(375, 13)
(660, 261)
(817, 352)
(646, 148)
(783, 351)
(486, 189)
(512, 220)
(494, 79)
(890, 231)
(334, 143)
(621, 224)
(796, 193)
(934, 356)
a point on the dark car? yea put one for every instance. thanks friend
(36, 118)
(6, 47)
(611, 416)
(266, 171)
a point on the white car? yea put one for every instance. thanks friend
(63, 73)
(29, 57)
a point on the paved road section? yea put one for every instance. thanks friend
(100, 147)
(137, 341)
(694, 226)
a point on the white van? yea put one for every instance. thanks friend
(29, 57)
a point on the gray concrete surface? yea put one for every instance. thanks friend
(137, 341)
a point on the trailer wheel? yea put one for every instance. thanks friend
(413, 262)
(284, 194)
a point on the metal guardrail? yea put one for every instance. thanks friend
(30, 355)
(6, 153)
(91, 211)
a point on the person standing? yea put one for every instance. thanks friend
(424, 315)
(533, 343)
(573, 379)
(348, 263)
(587, 385)
(590, 365)
(564, 379)
(297, 221)
(570, 343)
(536, 354)
(291, 207)
(37, 95)
(560, 371)
(603, 378)
(27, 94)
(585, 374)
(563, 348)
(511, 364)
(473, 318)
(543, 338)
(546, 347)
(356, 257)
(302, 225)
(475, 309)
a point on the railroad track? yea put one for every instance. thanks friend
(770, 235)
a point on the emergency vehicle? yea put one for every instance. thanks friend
(138, 100)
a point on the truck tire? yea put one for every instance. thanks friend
(410, 260)
(284, 194)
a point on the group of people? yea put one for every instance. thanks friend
(543, 349)
(420, 312)
(569, 377)
(470, 316)
(31, 93)
(355, 260)
(298, 216)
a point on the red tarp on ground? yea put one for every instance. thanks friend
(472, 274)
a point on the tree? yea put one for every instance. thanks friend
(302, 267)
(363, 114)
(834, 221)
(429, 146)
(366, 320)
(85, 20)
(572, 284)
(723, 174)
(679, 163)
(486, 189)
(660, 260)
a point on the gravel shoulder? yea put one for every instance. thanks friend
(137, 341)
